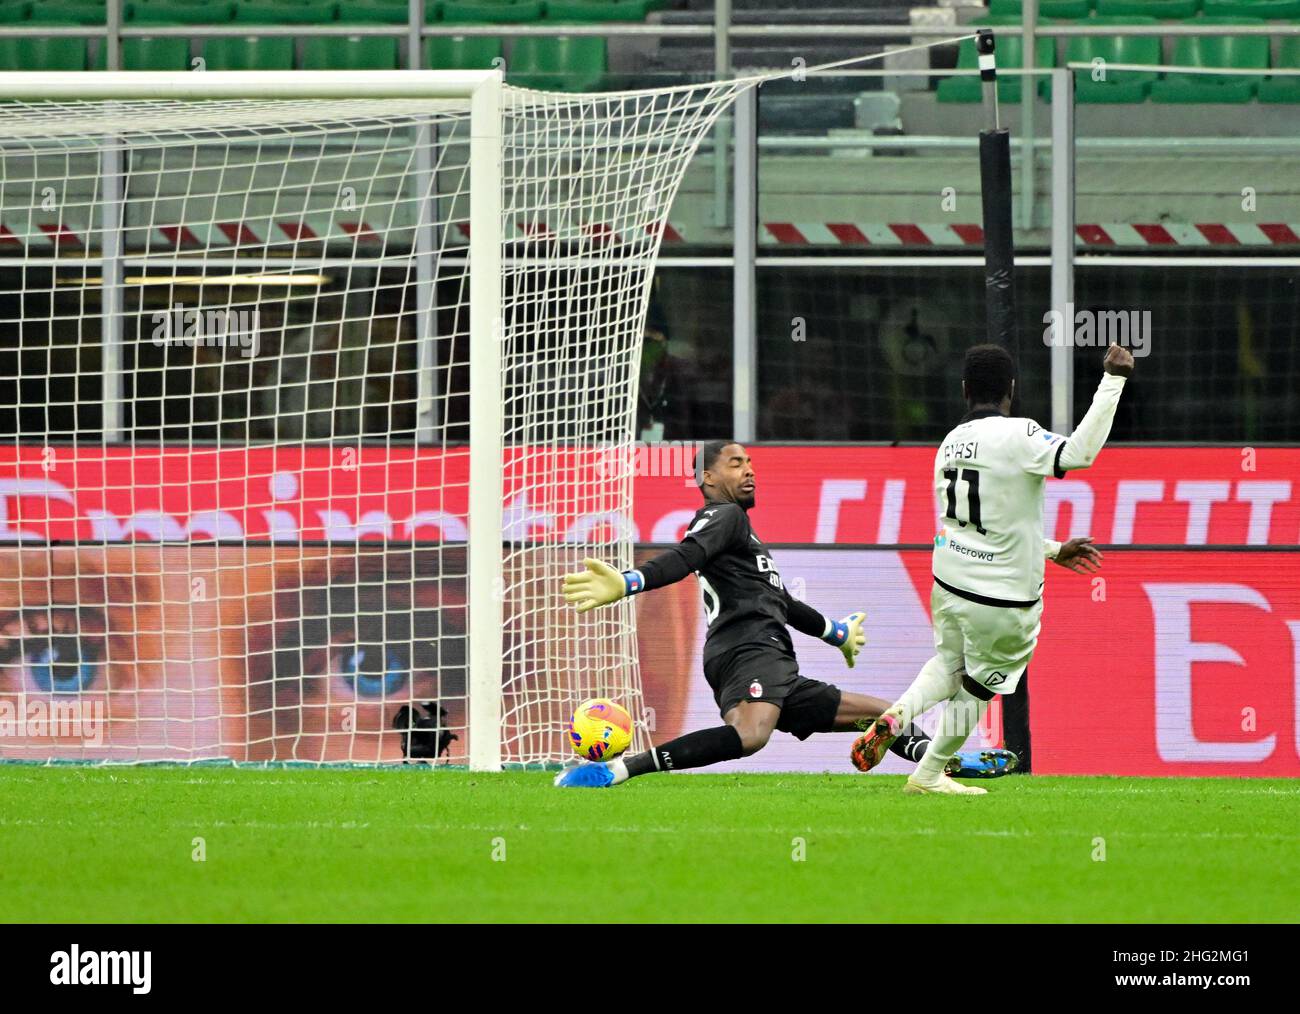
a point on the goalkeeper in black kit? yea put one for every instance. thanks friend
(749, 659)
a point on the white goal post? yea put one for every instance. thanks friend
(212, 554)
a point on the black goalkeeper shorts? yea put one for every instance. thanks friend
(760, 673)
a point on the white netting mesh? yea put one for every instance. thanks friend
(234, 393)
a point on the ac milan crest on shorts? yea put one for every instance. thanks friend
(767, 673)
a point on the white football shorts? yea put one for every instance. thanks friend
(990, 644)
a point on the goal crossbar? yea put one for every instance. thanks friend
(34, 86)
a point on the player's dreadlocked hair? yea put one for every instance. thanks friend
(706, 456)
(988, 372)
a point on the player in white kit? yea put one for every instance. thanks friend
(989, 554)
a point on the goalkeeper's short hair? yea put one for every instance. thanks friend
(706, 456)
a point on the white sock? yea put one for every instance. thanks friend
(959, 719)
(932, 686)
(620, 770)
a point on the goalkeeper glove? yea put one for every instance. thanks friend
(599, 585)
(847, 635)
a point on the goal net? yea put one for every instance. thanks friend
(311, 389)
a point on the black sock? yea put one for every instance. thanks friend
(694, 750)
(911, 744)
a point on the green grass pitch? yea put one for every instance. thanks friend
(117, 844)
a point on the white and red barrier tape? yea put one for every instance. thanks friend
(869, 234)
(894, 234)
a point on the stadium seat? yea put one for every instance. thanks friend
(53, 12)
(1248, 51)
(461, 52)
(14, 11)
(1011, 53)
(237, 52)
(384, 12)
(1117, 85)
(58, 53)
(606, 10)
(1268, 10)
(1283, 89)
(1162, 10)
(145, 52)
(1069, 9)
(173, 12)
(492, 11)
(285, 12)
(349, 52)
(566, 63)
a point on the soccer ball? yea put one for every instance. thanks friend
(600, 729)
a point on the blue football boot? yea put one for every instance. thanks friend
(587, 775)
(991, 763)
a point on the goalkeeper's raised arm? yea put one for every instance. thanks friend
(600, 585)
(711, 532)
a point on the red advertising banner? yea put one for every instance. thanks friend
(821, 495)
(883, 496)
(287, 494)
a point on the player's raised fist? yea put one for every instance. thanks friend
(1118, 361)
(598, 585)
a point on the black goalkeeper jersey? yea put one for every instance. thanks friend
(744, 598)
